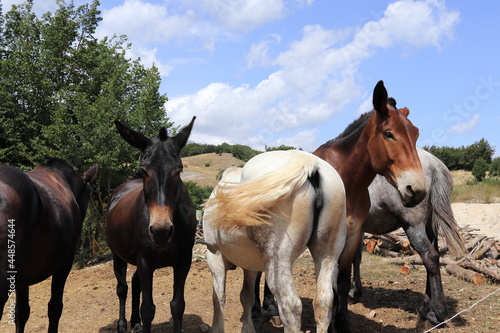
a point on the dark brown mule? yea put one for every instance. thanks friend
(151, 224)
(41, 215)
(379, 142)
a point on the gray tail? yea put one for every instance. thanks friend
(442, 214)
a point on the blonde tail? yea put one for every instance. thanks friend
(250, 203)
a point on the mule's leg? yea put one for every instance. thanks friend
(135, 319)
(425, 243)
(268, 305)
(57, 291)
(120, 269)
(356, 287)
(247, 298)
(257, 308)
(325, 246)
(218, 267)
(344, 281)
(4, 293)
(178, 304)
(280, 280)
(148, 307)
(22, 308)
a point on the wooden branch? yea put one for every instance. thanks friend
(468, 275)
(416, 260)
(483, 250)
(474, 241)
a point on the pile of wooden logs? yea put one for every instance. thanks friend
(482, 262)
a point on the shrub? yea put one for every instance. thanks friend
(479, 169)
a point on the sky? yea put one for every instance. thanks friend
(298, 72)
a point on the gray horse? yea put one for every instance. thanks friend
(422, 223)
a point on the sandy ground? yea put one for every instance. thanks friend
(485, 217)
(388, 304)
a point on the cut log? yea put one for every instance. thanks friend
(370, 245)
(404, 270)
(466, 274)
(386, 244)
(387, 252)
(491, 272)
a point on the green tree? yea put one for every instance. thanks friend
(198, 194)
(282, 147)
(495, 167)
(61, 90)
(479, 169)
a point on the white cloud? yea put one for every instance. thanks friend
(243, 15)
(257, 55)
(315, 80)
(465, 126)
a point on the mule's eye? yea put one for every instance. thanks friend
(389, 135)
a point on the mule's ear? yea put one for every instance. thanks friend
(134, 138)
(380, 99)
(404, 111)
(90, 174)
(183, 135)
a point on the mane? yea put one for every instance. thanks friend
(354, 129)
(59, 163)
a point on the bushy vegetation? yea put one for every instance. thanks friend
(198, 193)
(495, 167)
(61, 90)
(479, 169)
(463, 158)
(241, 152)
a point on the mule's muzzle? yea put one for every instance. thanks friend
(412, 196)
(161, 236)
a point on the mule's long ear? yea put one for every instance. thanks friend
(90, 174)
(183, 135)
(380, 99)
(134, 138)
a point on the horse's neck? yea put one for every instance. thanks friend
(351, 160)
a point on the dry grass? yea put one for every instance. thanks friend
(466, 190)
(203, 169)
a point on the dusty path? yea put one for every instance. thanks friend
(388, 305)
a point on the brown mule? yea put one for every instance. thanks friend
(380, 142)
(151, 224)
(41, 216)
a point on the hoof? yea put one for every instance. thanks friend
(138, 328)
(276, 321)
(353, 299)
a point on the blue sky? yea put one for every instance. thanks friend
(272, 72)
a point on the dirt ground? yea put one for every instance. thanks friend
(388, 305)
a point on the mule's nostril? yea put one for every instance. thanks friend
(160, 235)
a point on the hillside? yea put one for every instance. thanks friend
(203, 169)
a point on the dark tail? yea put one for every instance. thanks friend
(442, 215)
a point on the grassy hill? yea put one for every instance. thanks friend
(203, 169)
